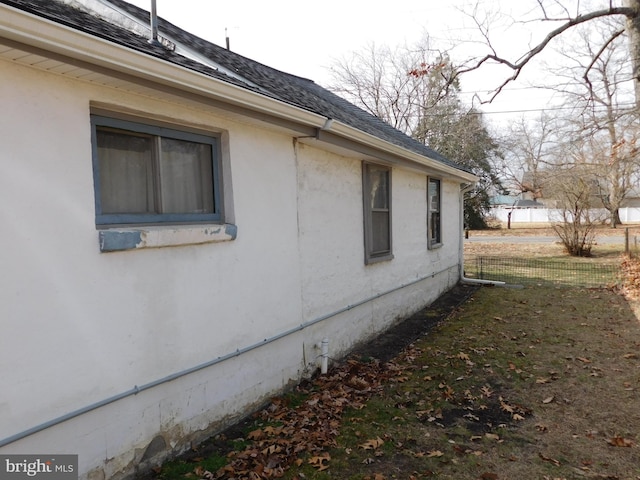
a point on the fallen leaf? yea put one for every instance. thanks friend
(492, 436)
(318, 462)
(435, 453)
(548, 399)
(630, 355)
(583, 360)
(255, 434)
(506, 407)
(620, 442)
(372, 444)
(486, 391)
(517, 417)
(549, 459)
(203, 474)
(489, 476)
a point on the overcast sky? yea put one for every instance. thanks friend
(304, 38)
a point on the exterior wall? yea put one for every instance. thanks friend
(80, 326)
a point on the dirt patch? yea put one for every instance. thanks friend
(391, 342)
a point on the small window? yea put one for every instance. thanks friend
(377, 212)
(150, 174)
(434, 222)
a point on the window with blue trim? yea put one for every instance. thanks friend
(434, 219)
(148, 174)
(377, 212)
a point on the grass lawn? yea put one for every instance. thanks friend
(541, 382)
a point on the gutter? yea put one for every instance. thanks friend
(374, 142)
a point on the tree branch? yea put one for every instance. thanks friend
(523, 61)
(597, 56)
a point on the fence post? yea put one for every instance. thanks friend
(626, 241)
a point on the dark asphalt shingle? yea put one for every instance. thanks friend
(276, 84)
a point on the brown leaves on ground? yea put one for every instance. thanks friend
(631, 277)
(309, 429)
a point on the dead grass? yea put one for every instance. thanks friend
(532, 384)
(544, 229)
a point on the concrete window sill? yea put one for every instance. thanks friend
(133, 238)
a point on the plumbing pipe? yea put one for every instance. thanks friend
(479, 281)
(141, 388)
(324, 356)
(463, 279)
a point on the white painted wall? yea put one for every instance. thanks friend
(80, 326)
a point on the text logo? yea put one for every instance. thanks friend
(35, 467)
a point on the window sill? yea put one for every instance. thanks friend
(134, 238)
(378, 259)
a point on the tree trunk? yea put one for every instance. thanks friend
(633, 29)
(615, 218)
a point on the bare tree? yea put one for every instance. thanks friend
(390, 83)
(408, 87)
(529, 150)
(575, 223)
(557, 12)
(603, 124)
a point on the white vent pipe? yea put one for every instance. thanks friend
(324, 356)
(154, 24)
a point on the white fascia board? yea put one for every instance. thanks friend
(26, 28)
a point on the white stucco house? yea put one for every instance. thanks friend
(182, 227)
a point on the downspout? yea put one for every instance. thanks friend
(473, 281)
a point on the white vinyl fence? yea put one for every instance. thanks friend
(548, 215)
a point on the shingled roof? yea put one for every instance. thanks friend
(251, 75)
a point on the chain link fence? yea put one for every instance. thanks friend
(530, 271)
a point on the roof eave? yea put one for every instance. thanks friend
(427, 163)
(47, 35)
